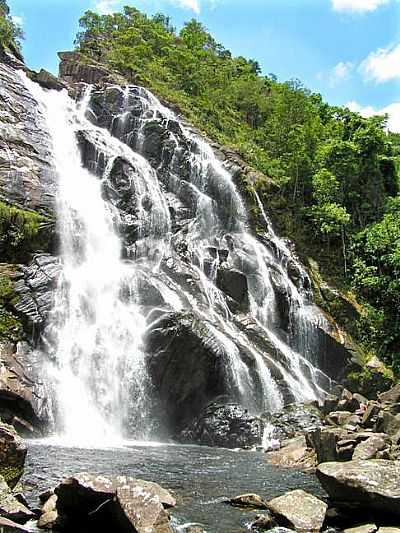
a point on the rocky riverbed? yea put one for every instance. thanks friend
(161, 488)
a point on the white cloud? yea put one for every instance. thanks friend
(357, 6)
(340, 72)
(393, 110)
(194, 5)
(106, 7)
(382, 65)
(19, 21)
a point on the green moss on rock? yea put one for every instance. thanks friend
(22, 232)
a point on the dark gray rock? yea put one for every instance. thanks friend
(234, 284)
(294, 419)
(35, 290)
(22, 398)
(226, 425)
(187, 366)
(48, 80)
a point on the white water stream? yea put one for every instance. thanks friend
(97, 321)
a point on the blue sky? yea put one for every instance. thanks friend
(348, 50)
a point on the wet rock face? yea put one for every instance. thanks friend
(372, 484)
(27, 177)
(184, 366)
(226, 425)
(35, 290)
(22, 402)
(234, 284)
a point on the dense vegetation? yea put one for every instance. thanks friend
(337, 172)
(10, 33)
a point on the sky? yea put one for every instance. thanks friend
(347, 50)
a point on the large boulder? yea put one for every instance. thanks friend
(295, 419)
(12, 455)
(188, 367)
(226, 425)
(299, 510)
(373, 484)
(294, 453)
(122, 504)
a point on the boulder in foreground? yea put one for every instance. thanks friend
(299, 510)
(123, 505)
(374, 484)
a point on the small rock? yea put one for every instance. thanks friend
(263, 521)
(369, 448)
(10, 507)
(371, 414)
(365, 528)
(281, 530)
(299, 510)
(249, 500)
(48, 520)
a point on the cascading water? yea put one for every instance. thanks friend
(168, 219)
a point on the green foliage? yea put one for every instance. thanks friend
(10, 326)
(10, 32)
(20, 233)
(335, 170)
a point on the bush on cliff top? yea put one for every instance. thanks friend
(10, 32)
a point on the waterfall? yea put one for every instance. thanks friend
(137, 219)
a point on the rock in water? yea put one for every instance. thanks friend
(249, 500)
(374, 484)
(299, 510)
(225, 425)
(140, 510)
(122, 504)
(12, 455)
